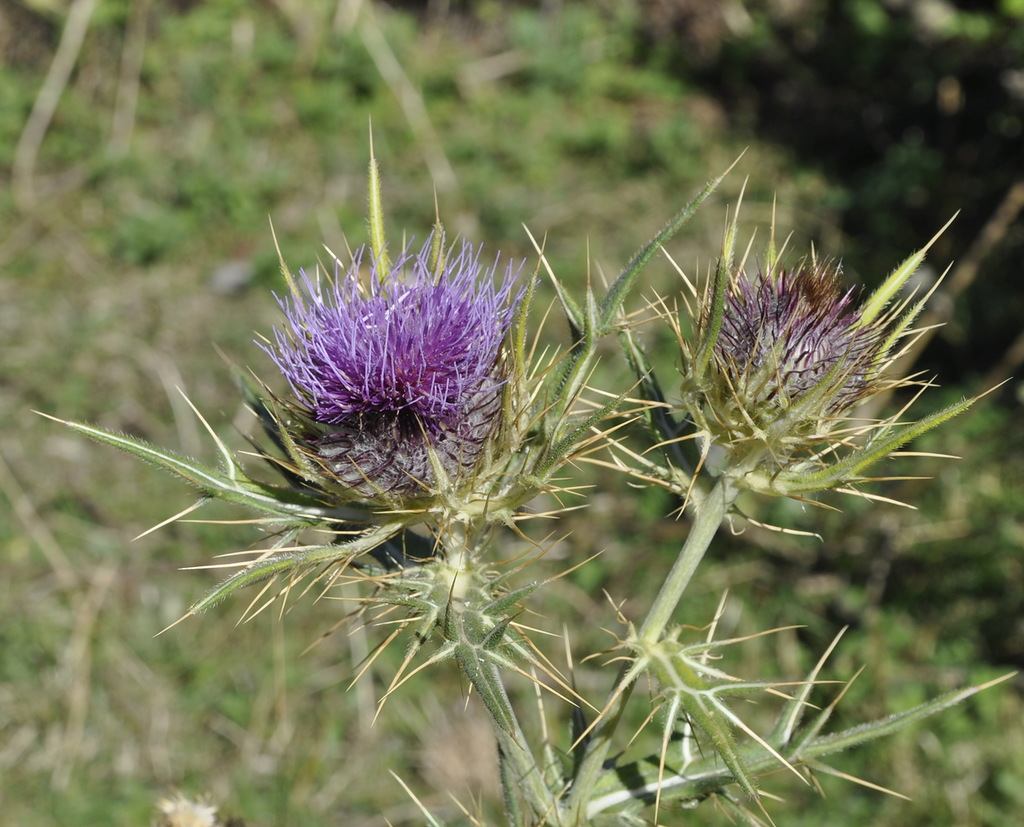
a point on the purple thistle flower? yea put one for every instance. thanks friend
(783, 334)
(403, 367)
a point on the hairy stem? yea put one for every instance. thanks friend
(709, 518)
(521, 776)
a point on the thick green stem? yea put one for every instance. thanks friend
(598, 747)
(521, 775)
(709, 518)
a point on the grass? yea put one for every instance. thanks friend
(113, 295)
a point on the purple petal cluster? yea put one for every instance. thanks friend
(784, 333)
(388, 362)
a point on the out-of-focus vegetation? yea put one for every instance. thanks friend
(146, 144)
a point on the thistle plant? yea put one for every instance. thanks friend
(414, 422)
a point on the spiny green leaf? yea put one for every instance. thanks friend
(378, 243)
(561, 450)
(481, 672)
(611, 304)
(286, 561)
(575, 317)
(862, 733)
(233, 486)
(510, 600)
(496, 636)
(713, 324)
(704, 714)
(436, 258)
(880, 299)
(881, 445)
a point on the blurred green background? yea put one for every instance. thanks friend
(146, 145)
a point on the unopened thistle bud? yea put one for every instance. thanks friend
(790, 356)
(778, 362)
(398, 380)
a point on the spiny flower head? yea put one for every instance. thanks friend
(398, 378)
(779, 360)
(791, 354)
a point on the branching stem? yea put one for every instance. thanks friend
(708, 520)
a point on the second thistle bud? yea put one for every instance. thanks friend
(790, 355)
(779, 360)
